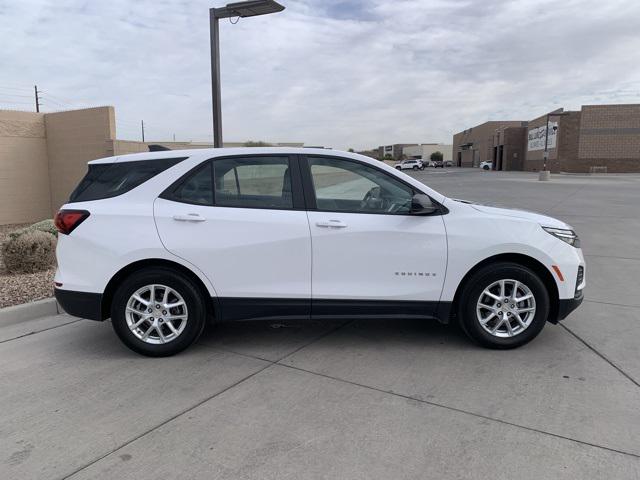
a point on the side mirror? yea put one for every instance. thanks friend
(421, 204)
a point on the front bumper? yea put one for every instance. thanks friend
(566, 306)
(80, 304)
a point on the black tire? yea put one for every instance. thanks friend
(415, 168)
(473, 289)
(398, 168)
(195, 303)
(486, 167)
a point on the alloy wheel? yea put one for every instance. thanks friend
(506, 308)
(156, 314)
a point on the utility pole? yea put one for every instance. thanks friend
(142, 124)
(35, 87)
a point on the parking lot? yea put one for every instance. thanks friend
(352, 400)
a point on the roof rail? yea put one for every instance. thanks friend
(158, 148)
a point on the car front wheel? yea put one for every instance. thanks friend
(158, 312)
(503, 305)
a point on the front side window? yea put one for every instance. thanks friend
(253, 182)
(347, 186)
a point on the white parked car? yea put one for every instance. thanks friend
(410, 165)
(163, 242)
(486, 165)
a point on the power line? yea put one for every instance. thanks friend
(21, 89)
(14, 102)
(4, 94)
(60, 99)
(47, 99)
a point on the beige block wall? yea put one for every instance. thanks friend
(74, 138)
(24, 171)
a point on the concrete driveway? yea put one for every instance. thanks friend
(351, 400)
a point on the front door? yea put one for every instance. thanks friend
(241, 220)
(370, 255)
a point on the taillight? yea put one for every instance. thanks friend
(67, 220)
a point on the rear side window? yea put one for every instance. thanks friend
(253, 182)
(106, 180)
(197, 188)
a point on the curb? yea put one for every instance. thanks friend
(29, 311)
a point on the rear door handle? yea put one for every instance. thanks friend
(332, 224)
(190, 217)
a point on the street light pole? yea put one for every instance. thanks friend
(546, 143)
(248, 8)
(544, 173)
(216, 100)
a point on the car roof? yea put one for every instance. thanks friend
(218, 152)
(201, 154)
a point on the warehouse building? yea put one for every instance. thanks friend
(424, 151)
(481, 143)
(392, 152)
(597, 138)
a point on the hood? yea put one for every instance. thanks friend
(543, 220)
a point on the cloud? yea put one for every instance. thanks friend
(336, 73)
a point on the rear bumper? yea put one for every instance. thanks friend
(80, 304)
(566, 306)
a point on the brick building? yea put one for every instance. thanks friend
(596, 138)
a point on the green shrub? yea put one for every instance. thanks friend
(46, 226)
(29, 252)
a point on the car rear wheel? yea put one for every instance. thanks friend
(503, 305)
(415, 168)
(158, 312)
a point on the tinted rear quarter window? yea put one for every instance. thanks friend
(197, 188)
(107, 180)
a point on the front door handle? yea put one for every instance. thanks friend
(332, 224)
(190, 217)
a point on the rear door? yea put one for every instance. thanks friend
(241, 220)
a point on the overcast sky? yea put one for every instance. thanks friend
(324, 72)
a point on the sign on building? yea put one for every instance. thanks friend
(537, 135)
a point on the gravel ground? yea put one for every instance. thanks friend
(16, 288)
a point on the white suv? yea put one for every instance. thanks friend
(410, 165)
(162, 242)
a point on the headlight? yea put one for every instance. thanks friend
(568, 236)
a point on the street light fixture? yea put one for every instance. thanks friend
(545, 174)
(250, 8)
